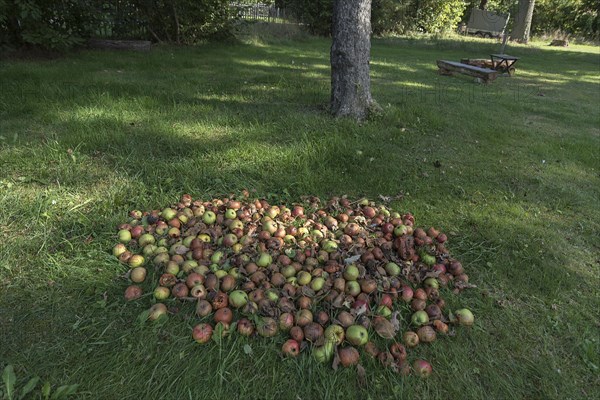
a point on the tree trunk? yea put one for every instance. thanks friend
(483, 4)
(522, 27)
(350, 54)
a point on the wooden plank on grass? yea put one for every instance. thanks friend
(449, 67)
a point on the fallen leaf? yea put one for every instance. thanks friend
(336, 360)
(361, 375)
(394, 321)
(384, 328)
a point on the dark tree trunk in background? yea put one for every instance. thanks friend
(350, 54)
(483, 4)
(522, 27)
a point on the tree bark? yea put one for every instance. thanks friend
(522, 27)
(483, 4)
(350, 54)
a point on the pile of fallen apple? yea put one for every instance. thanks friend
(328, 275)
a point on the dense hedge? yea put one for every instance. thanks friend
(61, 24)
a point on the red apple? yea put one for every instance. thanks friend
(202, 333)
(291, 348)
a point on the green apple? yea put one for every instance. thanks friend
(401, 230)
(419, 318)
(161, 293)
(334, 333)
(351, 272)
(136, 260)
(329, 246)
(209, 217)
(168, 214)
(432, 283)
(264, 260)
(288, 271)
(304, 278)
(352, 288)
(124, 236)
(238, 298)
(205, 237)
(120, 249)
(324, 353)
(317, 283)
(146, 239)
(392, 269)
(384, 311)
(465, 317)
(230, 214)
(357, 335)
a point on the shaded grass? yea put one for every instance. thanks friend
(86, 138)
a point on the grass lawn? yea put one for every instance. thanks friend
(86, 138)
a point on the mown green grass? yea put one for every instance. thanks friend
(85, 138)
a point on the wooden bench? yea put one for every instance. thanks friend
(451, 67)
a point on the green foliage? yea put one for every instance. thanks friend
(386, 15)
(60, 25)
(48, 24)
(315, 14)
(435, 16)
(10, 392)
(186, 21)
(389, 16)
(577, 17)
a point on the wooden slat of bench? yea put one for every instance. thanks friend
(451, 66)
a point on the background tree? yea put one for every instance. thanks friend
(350, 54)
(522, 26)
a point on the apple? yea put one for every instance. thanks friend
(162, 259)
(124, 236)
(384, 311)
(407, 293)
(133, 292)
(303, 278)
(392, 269)
(245, 327)
(146, 239)
(465, 317)
(168, 214)
(209, 218)
(156, 311)
(149, 250)
(357, 335)
(351, 272)
(401, 230)
(202, 333)
(348, 356)
(119, 249)
(419, 318)
(136, 260)
(329, 246)
(411, 339)
(230, 214)
(334, 333)
(352, 288)
(323, 353)
(317, 283)
(286, 321)
(161, 293)
(432, 283)
(264, 260)
(422, 368)
(238, 298)
(138, 275)
(290, 348)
